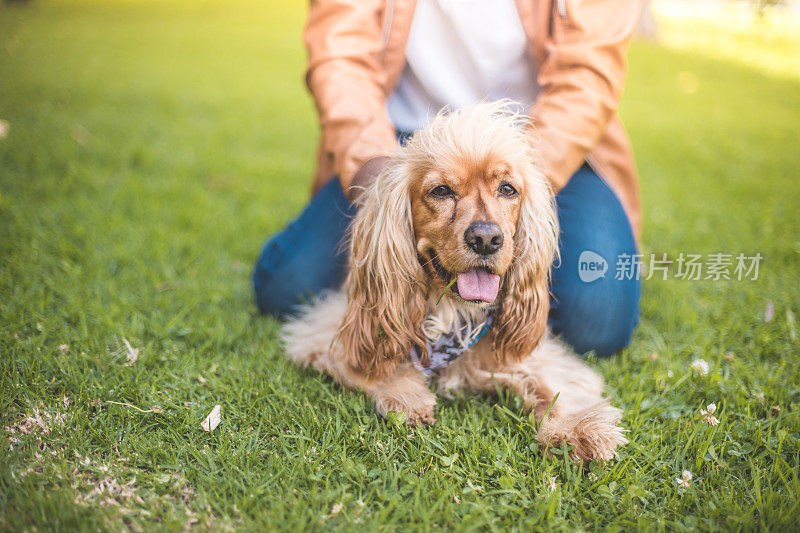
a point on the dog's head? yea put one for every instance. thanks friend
(462, 211)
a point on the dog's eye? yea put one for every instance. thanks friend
(442, 191)
(507, 190)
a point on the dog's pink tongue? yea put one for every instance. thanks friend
(477, 284)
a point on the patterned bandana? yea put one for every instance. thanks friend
(448, 348)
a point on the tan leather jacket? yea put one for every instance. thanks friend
(357, 54)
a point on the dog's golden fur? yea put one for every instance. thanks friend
(407, 241)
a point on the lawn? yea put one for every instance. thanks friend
(151, 148)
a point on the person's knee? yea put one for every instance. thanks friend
(598, 319)
(283, 282)
(265, 301)
(612, 338)
(592, 310)
(306, 257)
(270, 282)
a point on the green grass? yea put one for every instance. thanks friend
(153, 146)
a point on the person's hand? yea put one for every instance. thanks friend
(365, 175)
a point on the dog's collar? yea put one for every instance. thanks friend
(448, 348)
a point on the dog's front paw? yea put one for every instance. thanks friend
(420, 417)
(592, 433)
(418, 410)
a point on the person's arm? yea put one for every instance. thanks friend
(581, 78)
(346, 79)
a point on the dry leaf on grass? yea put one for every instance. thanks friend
(132, 355)
(81, 135)
(111, 492)
(40, 421)
(5, 127)
(213, 419)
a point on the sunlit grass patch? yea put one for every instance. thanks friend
(766, 41)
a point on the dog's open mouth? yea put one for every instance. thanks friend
(474, 285)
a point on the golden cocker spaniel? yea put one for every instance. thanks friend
(450, 256)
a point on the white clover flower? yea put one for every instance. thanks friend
(708, 413)
(685, 480)
(701, 367)
(709, 410)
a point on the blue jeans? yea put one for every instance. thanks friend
(590, 314)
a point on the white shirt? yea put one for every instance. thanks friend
(460, 52)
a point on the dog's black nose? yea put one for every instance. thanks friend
(484, 238)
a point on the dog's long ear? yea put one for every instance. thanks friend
(522, 320)
(385, 285)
